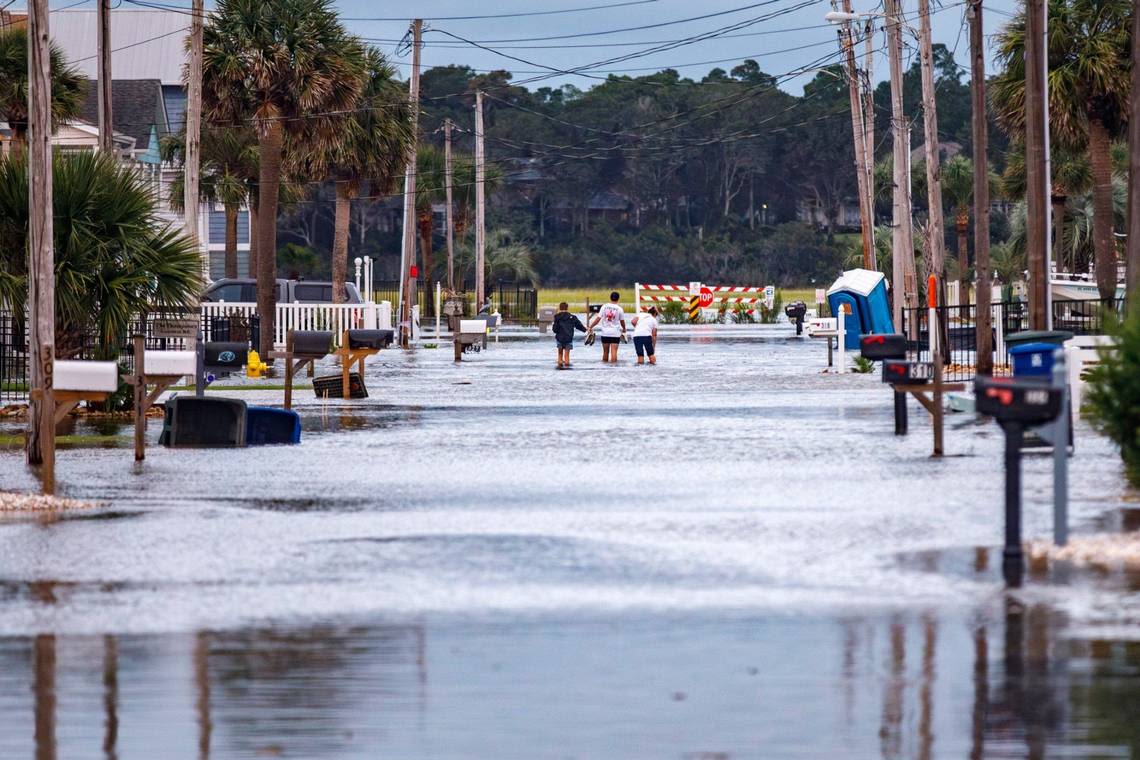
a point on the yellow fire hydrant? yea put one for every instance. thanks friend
(254, 367)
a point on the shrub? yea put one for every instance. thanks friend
(674, 313)
(1113, 398)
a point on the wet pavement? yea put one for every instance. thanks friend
(726, 555)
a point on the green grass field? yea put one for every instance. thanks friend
(576, 297)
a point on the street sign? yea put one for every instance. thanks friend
(183, 329)
(706, 298)
(820, 295)
(694, 288)
(770, 296)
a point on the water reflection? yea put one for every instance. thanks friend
(1005, 681)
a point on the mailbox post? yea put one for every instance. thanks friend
(883, 348)
(1015, 404)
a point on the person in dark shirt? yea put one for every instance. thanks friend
(565, 324)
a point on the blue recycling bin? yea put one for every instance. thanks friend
(1032, 359)
(267, 425)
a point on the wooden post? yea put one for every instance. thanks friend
(1037, 220)
(1133, 253)
(346, 367)
(984, 358)
(869, 128)
(858, 134)
(480, 203)
(139, 387)
(408, 251)
(934, 336)
(193, 155)
(41, 255)
(448, 211)
(936, 254)
(106, 120)
(903, 281)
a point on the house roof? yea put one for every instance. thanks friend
(145, 44)
(137, 109)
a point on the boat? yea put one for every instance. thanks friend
(1077, 286)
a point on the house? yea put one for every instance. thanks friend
(148, 52)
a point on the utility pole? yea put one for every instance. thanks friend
(903, 280)
(193, 162)
(984, 338)
(858, 133)
(1036, 177)
(869, 126)
(41, 255)
(1132, 285)
(408, 252)
(106, 121)
(480, 202)
(448, 211)
(937, 247)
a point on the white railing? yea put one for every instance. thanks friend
(311, 316)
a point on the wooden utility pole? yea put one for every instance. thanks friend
(869, 125)
(106, 120)
(193, 162)
(1132, 293)
(936, 252)
(41, 256)
(859, 135)
(903, 280)
(1036, 208)
(408, 251)
(480, 203)
(449, 211)
(982, 320)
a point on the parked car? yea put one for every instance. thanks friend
(244, 290)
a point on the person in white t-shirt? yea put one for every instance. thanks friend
(645, 335)
(610, 321)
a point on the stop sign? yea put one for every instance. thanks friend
(706, 298)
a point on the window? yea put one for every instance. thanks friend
(231, 293)
(312, 293)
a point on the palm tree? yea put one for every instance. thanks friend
(430, 189)
(1089, 64)
(114, 257)
(291, 68)
(369, 144)
(504, 256)
(228, 168)
(958, 191)
(68, 85)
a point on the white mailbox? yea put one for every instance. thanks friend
(823, 327)
(85, 377)
(472, 326)
(170, 363)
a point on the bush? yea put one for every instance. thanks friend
(771, 316)
(674, 313)
(741, 315)
(1113, 398)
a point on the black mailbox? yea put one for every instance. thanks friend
(226, 356)
(1020, 400)
(879, 347)
(796, 311)
(312, 343)
(375, 339)
(907, 373)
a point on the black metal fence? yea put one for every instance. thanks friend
(13, 357)
(959, 326)
(518, 303)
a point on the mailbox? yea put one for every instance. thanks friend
(796, 311)
(823, 327)
(896, 371)
(170, 363)
(85, 376)
(227, 356)
(473, 326)
(545, 318)
(313, 344)
(879, 347)
(1018, 400)
(374, 339)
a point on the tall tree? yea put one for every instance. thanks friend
(1088, 51)
(368, 145)
(295, 68)
(68, 85)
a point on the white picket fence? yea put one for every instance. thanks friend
(311, 316)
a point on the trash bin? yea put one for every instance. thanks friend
(1053, 337)
(1033, 359)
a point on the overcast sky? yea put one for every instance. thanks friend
(786, 37)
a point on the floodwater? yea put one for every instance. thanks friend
(729, 555)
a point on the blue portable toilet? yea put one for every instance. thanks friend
(267, 425)
(862, 294)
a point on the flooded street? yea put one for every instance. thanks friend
(728, 555)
